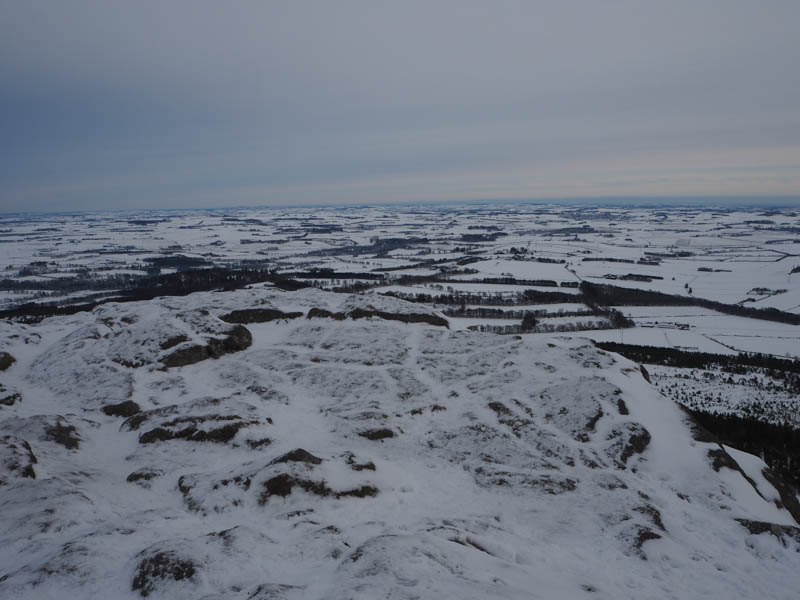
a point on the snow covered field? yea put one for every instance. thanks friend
(739, 257)
(730, 256)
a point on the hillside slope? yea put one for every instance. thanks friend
(154, 449)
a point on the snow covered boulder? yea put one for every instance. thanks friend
(9, 396)
(6, 360)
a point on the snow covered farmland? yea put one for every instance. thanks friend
(502, 257)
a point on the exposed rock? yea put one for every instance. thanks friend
(188, 355)
(46, 431)
(255, 444)
(364, 313)
(238, 339)
(144, 475)
(720, 458)
(208, 493)
(779, 531)
(298, 455)
(355, 465)
(377, 434)
(203, 420)
(9, 397)
(155, 568)
(628, 439)
(499, 408)
(173, 341)
(622, 408)
(16, 459)
(652, 513)
(608, 481)
(283, 484)
(790, 500)
(642, 535)
(258, 315)
(360, 313)
(6, 360)
(62, 433)
(321, 313)
(193, 409)
(197, 429)
(123, 409)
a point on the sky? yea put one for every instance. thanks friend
(164, 104)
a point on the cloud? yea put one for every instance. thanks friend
(185, 103)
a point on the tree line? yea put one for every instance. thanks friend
(612, 295)
(739, 364)
(464, 312)
(778, 445)
(148, 287)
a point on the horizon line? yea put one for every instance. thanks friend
(710, 201)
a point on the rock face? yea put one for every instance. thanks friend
(123, 409)
(258, 315)
(162, 452)
(206, 420)
(155, 569)
(364, 313)
(236, 340)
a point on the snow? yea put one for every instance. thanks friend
(750, 395)
(754, 468)
(521, 269)
(512, 470)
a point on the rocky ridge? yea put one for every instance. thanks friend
(331, 446)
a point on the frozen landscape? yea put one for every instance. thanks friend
(399, 300)
(400, 403)
(694, 280)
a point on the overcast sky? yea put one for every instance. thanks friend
(159, 104)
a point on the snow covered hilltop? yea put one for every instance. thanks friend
(258, 444)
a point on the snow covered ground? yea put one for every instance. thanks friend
(157, 450)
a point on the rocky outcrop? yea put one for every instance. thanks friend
(385, 460)
(205, 420)
(9, 397)
(239, 338)
(364, 313)
(258, 315)
(6, 360)
(156, 568)
(123, 409)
